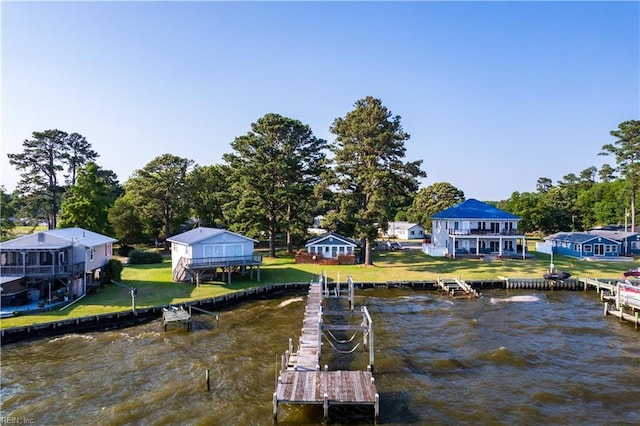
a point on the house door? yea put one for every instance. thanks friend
(598, 249)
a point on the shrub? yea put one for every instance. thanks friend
(140, 257)
(124, 251)
(113, 271)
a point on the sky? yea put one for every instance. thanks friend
(494, 95)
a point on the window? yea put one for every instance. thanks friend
(91, 254)
(587, 248)
(46, 258)
(32, 258)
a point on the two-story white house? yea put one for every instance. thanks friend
(475, 229)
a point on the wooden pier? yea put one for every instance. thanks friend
(623, 302)
(456, 288)
(302, 382)
(176, 315)
(602, 286)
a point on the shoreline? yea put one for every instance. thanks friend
(128, 318)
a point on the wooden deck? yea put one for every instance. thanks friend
(308, 355)
(326, 388)
(302, 382)
(176, 315)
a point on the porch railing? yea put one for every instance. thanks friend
(203, 262)
(486, 232)
(41, 270)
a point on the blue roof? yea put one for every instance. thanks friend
(578, 238)
(474, 209)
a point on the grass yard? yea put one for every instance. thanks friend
(155, 287)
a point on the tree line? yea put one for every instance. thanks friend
(279, 176)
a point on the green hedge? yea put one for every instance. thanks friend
(141, 257)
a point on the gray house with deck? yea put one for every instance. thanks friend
(205, 253)
(49, 267)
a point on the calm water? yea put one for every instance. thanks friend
(519, 357)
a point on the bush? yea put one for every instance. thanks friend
(140, 257)
(124, 251)
(113, 271)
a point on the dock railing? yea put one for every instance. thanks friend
(368, 323)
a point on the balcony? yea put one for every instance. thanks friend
(486, 232)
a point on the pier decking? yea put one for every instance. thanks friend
(458, 289)
(621, 299)
(301, 381)
(176, 315)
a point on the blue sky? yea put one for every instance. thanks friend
(494, 94)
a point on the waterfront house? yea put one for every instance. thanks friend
(202, 253)
(580, 245)
(475, 229)
(329, 248)
(405, 230)
(52, 266)
(629, 241)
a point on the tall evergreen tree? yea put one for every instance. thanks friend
(369, 169)
(44, 157)
(160, 190)
(626, 150)
(274, 169)
(606, 173)
(78, 153)
(544, 184)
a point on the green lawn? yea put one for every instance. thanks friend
(155, 287)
